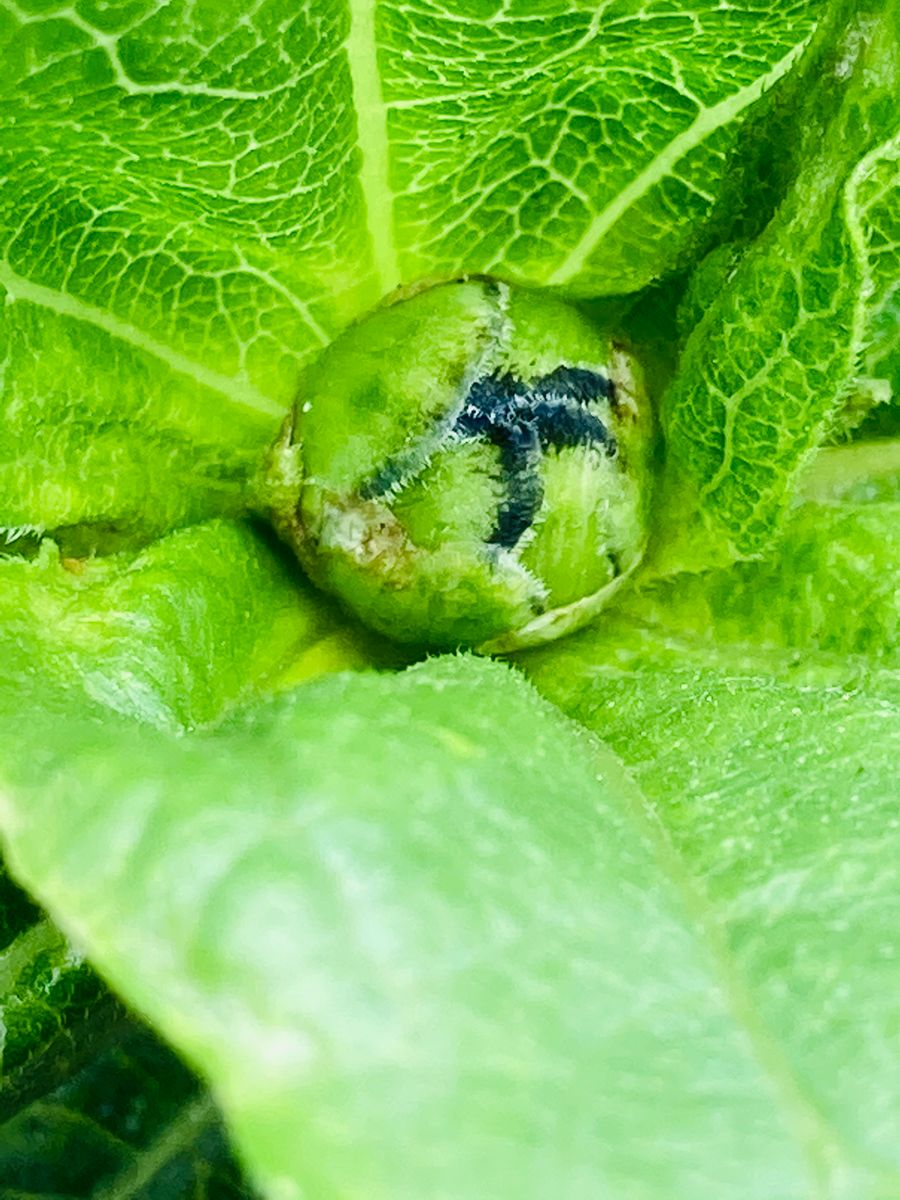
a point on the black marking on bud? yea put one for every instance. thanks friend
(564, 425)
(521, 420)
(577, 382)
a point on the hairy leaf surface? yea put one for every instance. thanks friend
(807, 310)
(479, 976)
(175, 634)
(199, 197)
(780, 803)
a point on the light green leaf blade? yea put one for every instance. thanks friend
(780, 802)
(201, 196)
(766, 375)
(416, 931)
(831, 595)
(176, 634)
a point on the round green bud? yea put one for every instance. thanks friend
(468, 467)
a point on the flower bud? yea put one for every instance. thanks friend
(468, 467)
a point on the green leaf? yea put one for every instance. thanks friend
(833, 589)
(420, 935)
(875, 196)
(54, 1012)
(176, 634)
(779, 802)
(201, 196)
(133, 1125)
(590, 146)
(766, 373)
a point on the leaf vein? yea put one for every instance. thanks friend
(372, 141)
(237, 391)
(707, 121)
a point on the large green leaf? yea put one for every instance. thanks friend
(591, 144)
(199, 196)
(418, 932)
(779, 801)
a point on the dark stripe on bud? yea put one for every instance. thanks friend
(577, 383)
(521, 420)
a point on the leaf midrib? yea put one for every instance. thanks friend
(196, 1116)
(372, 141)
